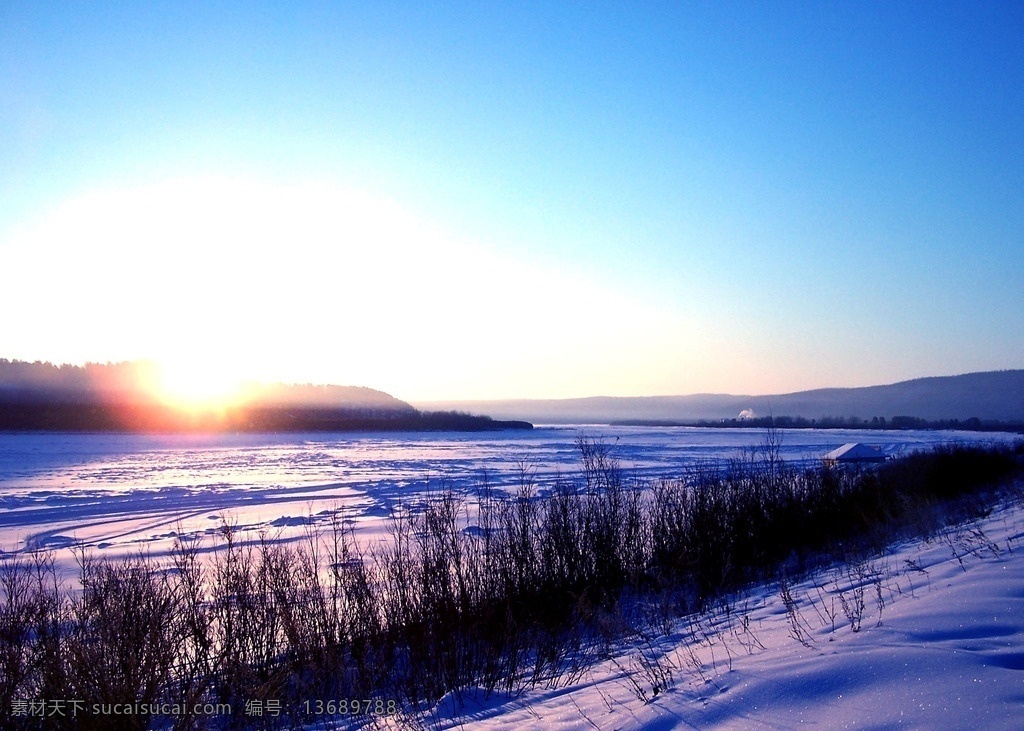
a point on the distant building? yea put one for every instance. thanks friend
(854, 453)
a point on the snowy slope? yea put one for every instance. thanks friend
(940, 644)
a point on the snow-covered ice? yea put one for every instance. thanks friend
(121, 493)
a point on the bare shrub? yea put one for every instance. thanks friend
(123, 643)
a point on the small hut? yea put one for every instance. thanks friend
(854, 453)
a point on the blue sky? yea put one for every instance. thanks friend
(472, 200)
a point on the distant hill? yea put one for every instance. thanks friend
(117, 397)
(988, 396)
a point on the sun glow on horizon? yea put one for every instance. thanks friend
(226, 280)
(198, 386)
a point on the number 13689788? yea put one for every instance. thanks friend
(351, 707)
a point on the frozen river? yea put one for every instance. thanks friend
(116, 493)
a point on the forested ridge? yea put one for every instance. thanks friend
(119, 397)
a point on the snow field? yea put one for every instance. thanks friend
(928, 636)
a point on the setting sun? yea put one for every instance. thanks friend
(315, 281)
(196, 385)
